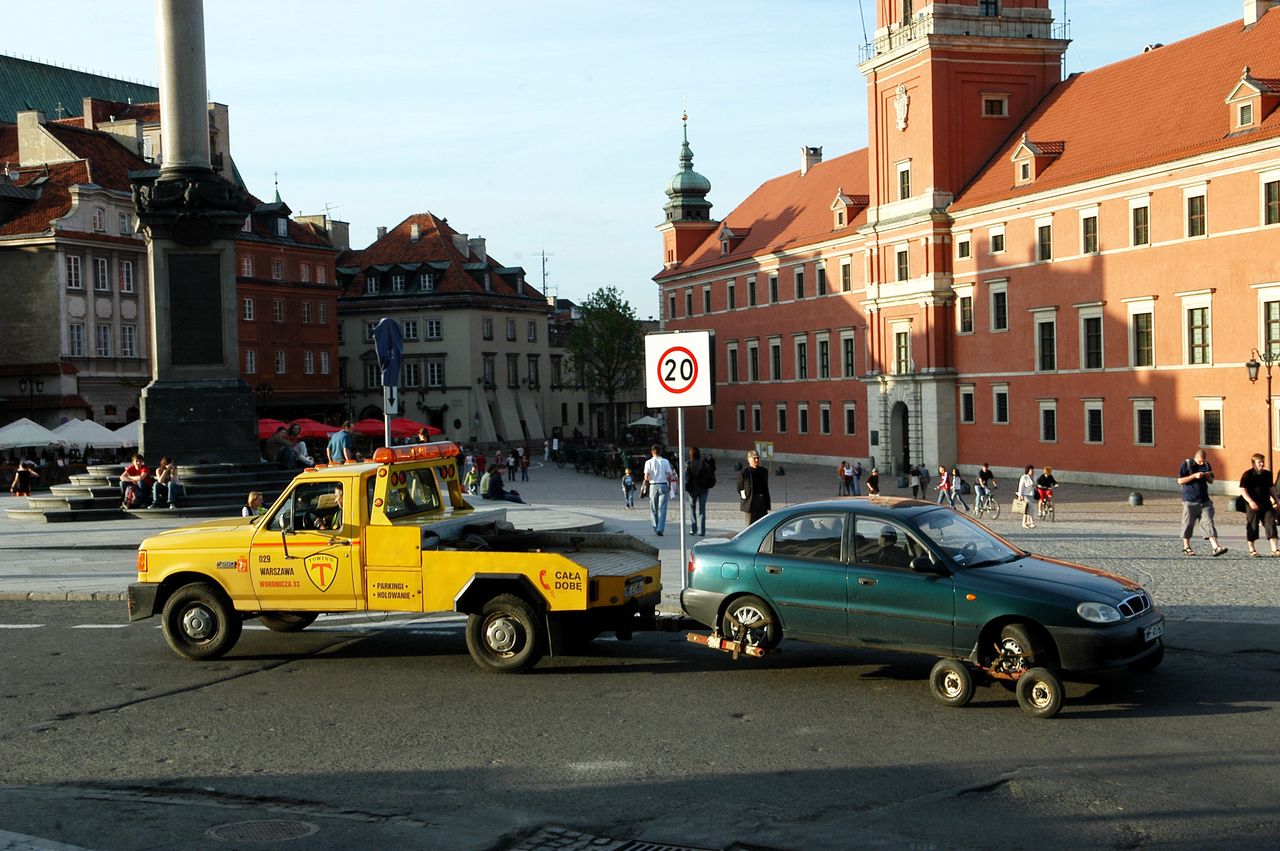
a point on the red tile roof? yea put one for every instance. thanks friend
(1156, 107)
(434, 245)
(787, 211)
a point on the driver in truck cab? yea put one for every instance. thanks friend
(331, 518)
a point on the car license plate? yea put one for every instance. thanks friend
(1153, 632)
(633, 588)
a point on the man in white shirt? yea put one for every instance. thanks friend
(658, 473)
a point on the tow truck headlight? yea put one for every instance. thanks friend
(1098, 613)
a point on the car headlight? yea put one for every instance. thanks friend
(1098, 612)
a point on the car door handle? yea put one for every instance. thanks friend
(772, 569)
(866, 580)
(339, 542)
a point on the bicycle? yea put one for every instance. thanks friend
(1044, 506)
(987, 502)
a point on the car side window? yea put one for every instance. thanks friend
(311, 506)
(884, 543)
(811, 536)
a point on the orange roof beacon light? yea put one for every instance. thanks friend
(416, 452)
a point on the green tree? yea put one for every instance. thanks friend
(606, 348)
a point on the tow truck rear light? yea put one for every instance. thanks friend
(416, 452)
(142, 561)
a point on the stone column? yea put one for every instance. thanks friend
(196, 408)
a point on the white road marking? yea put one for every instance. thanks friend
(101, 626)
(21, 625)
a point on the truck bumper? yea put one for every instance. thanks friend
(1095, 648)
(142, 600)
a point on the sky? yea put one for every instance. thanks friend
(545, 126)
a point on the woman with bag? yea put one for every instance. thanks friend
(1026, 493)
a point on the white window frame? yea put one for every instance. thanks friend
(1135, 307)
(277, 310)
(1210, 403)
(1043, 222)
(434, 329)
(994, 287)
(846, 274)
(397, 282)
(1198, 190)
(849, 414)
(1089, 406)
(964, 239)
(967, 390)
(411, 329)
(801, 353)
(1136, 204)
(435, 372)
(75, 278)
(102, 341)
(277, 270)
(75, 340)
(1046, 316)
(128, 341)
(101, 275)
(1092, 310)
(996, 390)
(775, 363)
(1143, 403)
(741, 415)
(732, 374)
(1192, 301)
(900, 251)
(802, 418)
(902, 326)
(1043, 406)
(1264, 178)
(99, 220)
(1090, 213)
(824, 418)
(246, 266)
(282, 362)
(250, 362)
(849, 354)
(903, 167)
(964, 291)
(996, 231)
(1002, 97)
(757, 419)
(324, 363)
(125, 272)
(308, 363)
(125, 223)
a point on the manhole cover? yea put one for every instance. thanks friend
(264, 830)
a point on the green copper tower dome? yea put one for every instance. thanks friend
(687, 190)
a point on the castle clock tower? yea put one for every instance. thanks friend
(688, 219)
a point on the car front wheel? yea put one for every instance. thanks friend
(750, 620)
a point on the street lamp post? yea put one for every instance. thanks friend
(349, 394)
(31, 385)
(263, 390)
(1257, 359)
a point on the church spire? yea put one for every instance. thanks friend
(687, 190)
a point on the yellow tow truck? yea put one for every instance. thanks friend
(394, 534)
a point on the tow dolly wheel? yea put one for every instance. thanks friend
(750, 620)
(1040, 693)
(505, 636)
(951, 683)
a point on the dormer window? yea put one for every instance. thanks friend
(1245, 115)
(425, 283)
(839, 218)
(1024, 172)
(1030, 159)
(1251, 100)
(282, 227)
(99, 219)
(371, 285)
(248, 224)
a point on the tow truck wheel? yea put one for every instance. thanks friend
(287, 621)
(199, 622)
(757, 621)
(505, 637)
(951, 683)
(1040, 693)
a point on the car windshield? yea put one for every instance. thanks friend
(964, 542)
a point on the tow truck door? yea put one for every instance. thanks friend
(296, 566)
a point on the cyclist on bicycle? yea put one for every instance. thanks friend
(986, 484)
(1045, 483)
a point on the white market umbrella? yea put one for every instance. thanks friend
(128, 433)
(24, 433)
(82, 433)
(645, 421)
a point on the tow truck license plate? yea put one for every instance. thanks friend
(633, 588)
(1153, 632)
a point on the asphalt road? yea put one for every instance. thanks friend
(365, 732)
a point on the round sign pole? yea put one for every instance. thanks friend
(680, 467)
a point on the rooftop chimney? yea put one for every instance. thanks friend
(382, 231)
(1254, 9)
(461, 244)
(477, 248)
(414, 232)
(809, 157)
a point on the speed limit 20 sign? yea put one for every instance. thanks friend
(677, 369)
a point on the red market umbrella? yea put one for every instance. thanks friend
(314, 429)
(402, 427)
(368, 427)
(268, 426)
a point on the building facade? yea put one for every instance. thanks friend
(1017, 269)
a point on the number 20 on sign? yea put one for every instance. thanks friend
(678, 369)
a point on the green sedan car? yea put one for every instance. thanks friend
(905, 575)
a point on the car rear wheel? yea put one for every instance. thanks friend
(199, 622)
(951, 683)
(750, 620)
(287, 621)
(1040, 693)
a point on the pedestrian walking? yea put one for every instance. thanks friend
(23, 478)
(857, 478)
(699, 479)
(945, 491)
(1026, 493)
(339, 449)
(957, 489)
(1258, 490)
(658, 475)
(628, 489)
(753, 489)
(1195, 475)
(841, 471)
(524, 467)
(914, 478)
(873, 482)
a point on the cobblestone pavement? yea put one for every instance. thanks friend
(1094, 526)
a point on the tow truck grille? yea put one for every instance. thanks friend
(1136, 605)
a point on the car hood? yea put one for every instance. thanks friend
(202, 534)
(1056, 577)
